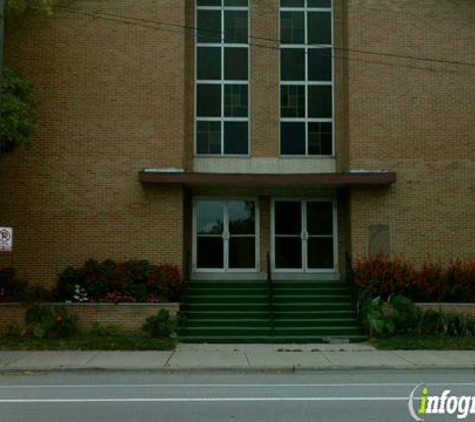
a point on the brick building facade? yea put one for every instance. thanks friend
(310, 130)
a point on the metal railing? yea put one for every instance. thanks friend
(270, 287)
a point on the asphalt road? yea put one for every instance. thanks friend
(134, 397)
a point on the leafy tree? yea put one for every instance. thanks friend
(19, 7)
(18, 121)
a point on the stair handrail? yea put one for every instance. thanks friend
(270, 287)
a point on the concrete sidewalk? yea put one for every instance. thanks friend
(241, 357)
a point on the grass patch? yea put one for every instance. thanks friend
(411, 342)
(88, 342)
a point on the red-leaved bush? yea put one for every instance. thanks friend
(432, 282)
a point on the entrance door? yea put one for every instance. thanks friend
(225, 233)
(304, 235)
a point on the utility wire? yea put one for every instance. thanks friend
(193, 31)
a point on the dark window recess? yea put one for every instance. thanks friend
(319, 28)
(208, 137)
(292, 3)
(236, 64)
(320, 64)
(209, 63)
(320, 138)
(320, 101)
(292, 27)
(292, 64)
(292, 135)
(235, 27)
(209, 26)
(235, 100)
(236, 138)
(292, 101)
(208, 100)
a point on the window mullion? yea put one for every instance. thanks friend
(222, 78)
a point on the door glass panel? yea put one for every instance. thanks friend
(320, 252)
(288, 252)
(242, 252)
(210, 217)
(288, 218)
(320, 218)
(210, 252)
(242, 219)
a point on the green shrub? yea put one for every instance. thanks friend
(160, 325)
(446, 324)
(45, 321)
(397, 315)
(99, 330)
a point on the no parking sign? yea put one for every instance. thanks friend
(6, 239)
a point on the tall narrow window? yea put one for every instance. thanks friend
(306, 81)
(222, 77)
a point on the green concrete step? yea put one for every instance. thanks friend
(229, 322)
(225, 298)
(271, 339)
(322, 322)
(240, 311)
(276, 331)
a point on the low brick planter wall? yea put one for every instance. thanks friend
(129, 316)
(461, 308)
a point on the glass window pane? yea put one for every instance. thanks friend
(320, 252)
(320, 138)
(208, 2)
(208, 100)
(242, 217)
(292, 138)
(236, 136)
(241, 3)
(292, 3)
(320, 101)
(210, 252)
(209, 217)
(235, 27)
(209, 26)
(236, 64)
(288, 218)
(320, 218)
(235, 100)
(242, 252)
(292, 64)
(320, 64)
(292, 101)
(319, 3)
(209, 63)
(319, 28)
(208, 137)
(292, 27)
(288, 252)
